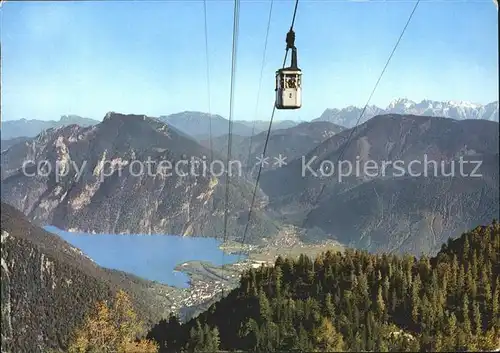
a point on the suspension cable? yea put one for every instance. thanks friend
(351, 133)
(260, 81)
(265, 146)
(208, 80)
(231, 109)
(352, 130)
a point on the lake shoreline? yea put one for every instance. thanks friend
(198, 260)
(155, 259)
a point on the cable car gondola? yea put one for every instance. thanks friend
(289, 80)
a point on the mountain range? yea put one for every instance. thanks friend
(349, 116)
(100, 187)
(197, 124)
(377, 213)
(24, 128)
(357, 302)
(389, 210)
(49, 288)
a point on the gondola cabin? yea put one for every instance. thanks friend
(288, 88)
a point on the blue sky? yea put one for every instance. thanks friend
(148, 57)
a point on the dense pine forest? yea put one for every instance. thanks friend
(356, 301)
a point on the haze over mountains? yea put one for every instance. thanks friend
(456, 110)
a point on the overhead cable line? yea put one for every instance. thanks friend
(231, 110)
(260, 80)
(208, 80)
(208, 85)
(352, 130)
(351, 133)
(267, 141)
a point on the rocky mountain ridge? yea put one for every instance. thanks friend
(197, 124)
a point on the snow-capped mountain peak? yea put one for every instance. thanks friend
(460, 110)
(401, 103)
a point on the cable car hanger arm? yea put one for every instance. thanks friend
(290, 44)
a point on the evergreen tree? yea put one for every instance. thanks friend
(111, 328)
(380, 306)
(327, 339)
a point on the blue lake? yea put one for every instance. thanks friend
(152, 257)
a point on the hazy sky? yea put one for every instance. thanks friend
(148, 57)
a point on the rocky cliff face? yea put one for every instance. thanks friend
(48, 286)
(128, 174)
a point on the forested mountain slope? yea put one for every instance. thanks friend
(48, 286)
(127, 174)
(356, 301)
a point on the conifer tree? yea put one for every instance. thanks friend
(327, 339)
(111, 328)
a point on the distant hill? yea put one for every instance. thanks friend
(197, 124)
(111, 195)
(48, 286)
(30, 128)
(407, 215)
(456, 110)
(291, 143)
(262, 125)
(389, 211)
(357, 302)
